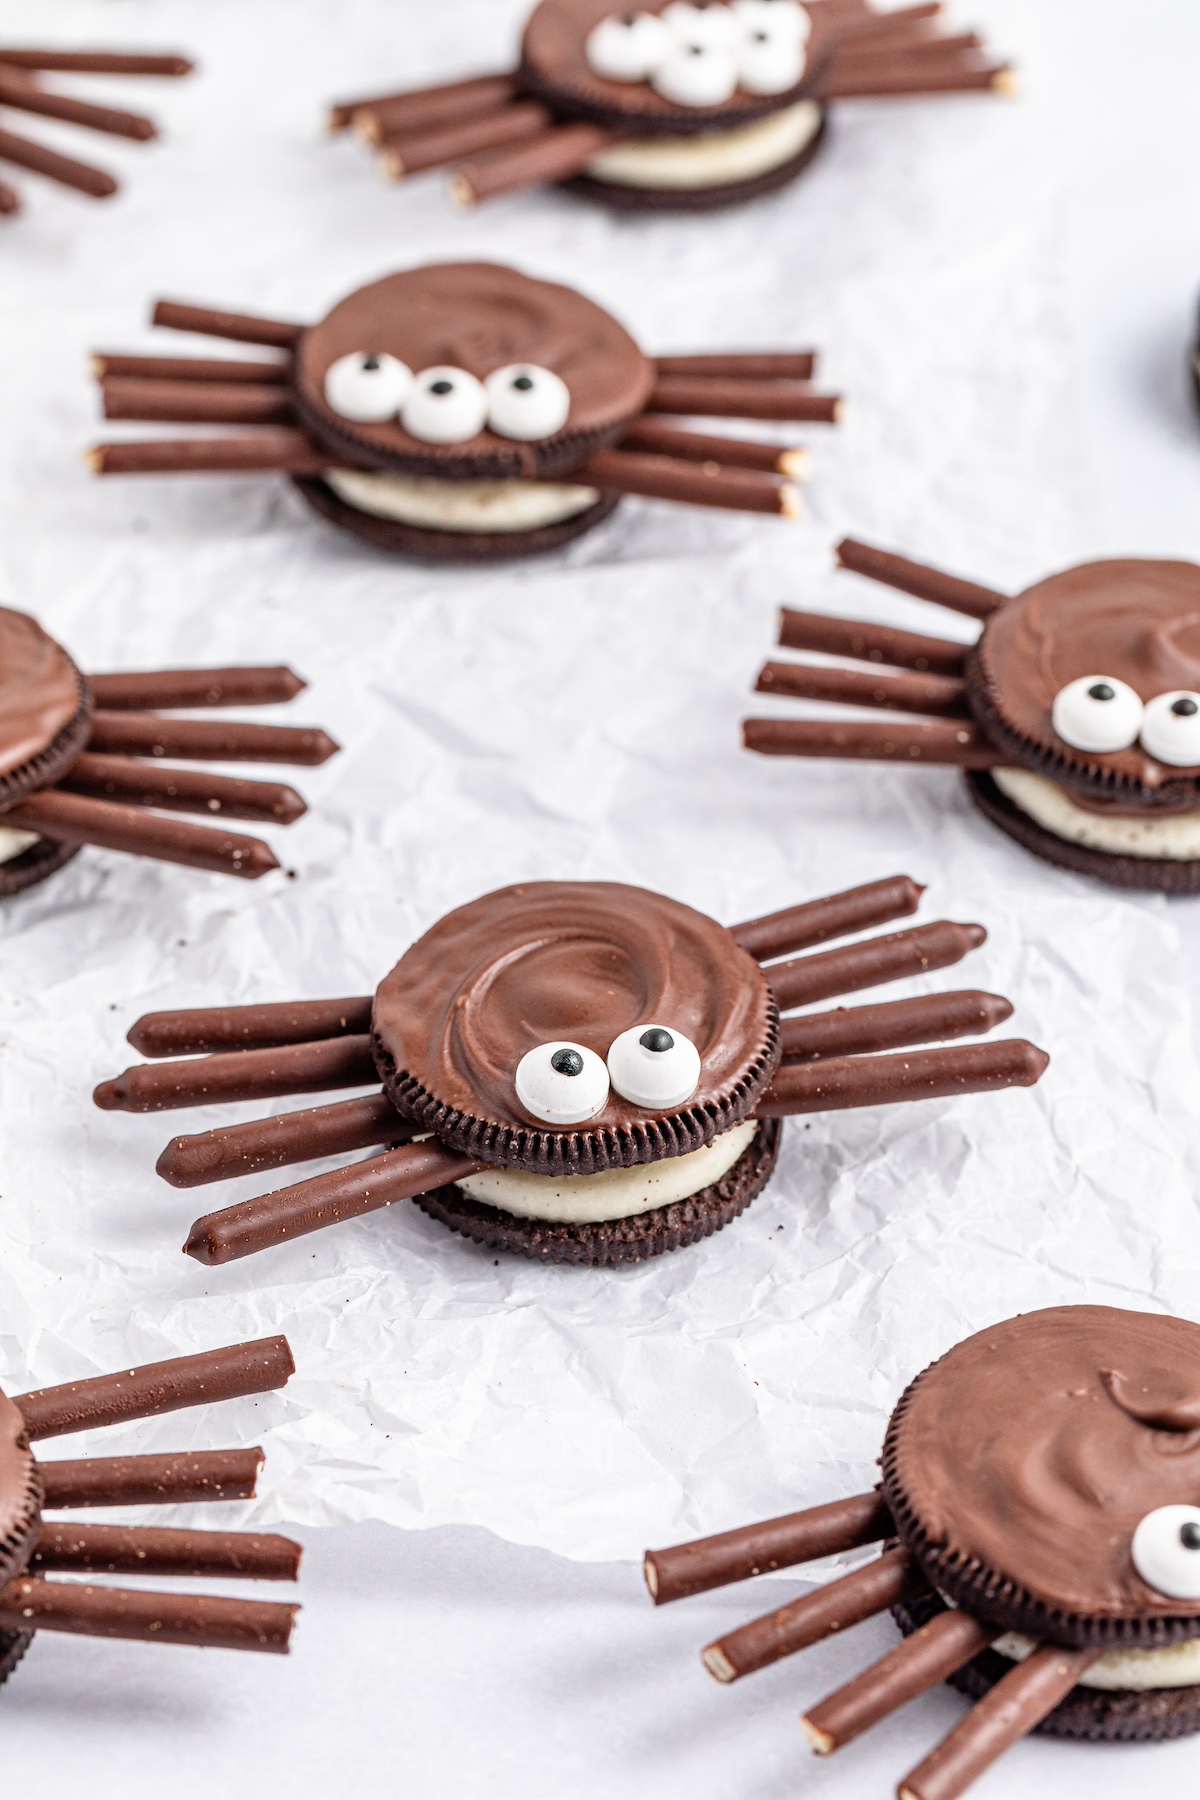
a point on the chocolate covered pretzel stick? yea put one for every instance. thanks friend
(241, 1075)
(95, 62)
(434, 147)
(278, 452)
(420, 109)
(862, 1030)
(291, 1138)
(148, 734)
(916, 76)
(244, 328)
(83, 177)
(142, 689)
(938, 742)
(195, 402)
(918, 579)
(226, 1374)
(151, 1480)
(723, 396)
(553, 156)
(832, 973)
(781, 1543)
(751, 365)
(854, 1081)
(695, 484)
(23, 94)
(931, 1655)
(208, 1028)
(891, 1579)
(136, 783)
(28, 1604)
(838, 915)
(79, 819)
(867, 642)
(937, 694)
(187, 368)
(161, 1550)
(731, 453)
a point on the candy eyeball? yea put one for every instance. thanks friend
(769, 61)
(1171, 729)
(697, 75)
(561, 1084)
(651, 1065)
(704, 22)
(628, 46)
(526, 403)
(1166, 1551)
(445, 406)
(776, 16)
(1097, 713)
(367, 386)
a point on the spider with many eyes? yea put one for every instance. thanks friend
(678, 105)
(1039, 1510)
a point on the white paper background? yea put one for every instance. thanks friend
(574, 717)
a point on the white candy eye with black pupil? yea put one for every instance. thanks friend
(1166, 1551)
(445, 406)
(1171, 729)
(628, 46)
(654, 1066)
(367, 386)
(770, 61)
(1098, 713)
(561, 1083)
(775, 16)
(703, 22)
(697, 75)
(527, 403)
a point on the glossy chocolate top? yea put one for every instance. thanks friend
(478, 317)
(554, 65)
(580, 961)
(1136, 620)
(1038, 1446)
(20, 1492)
(40, 691)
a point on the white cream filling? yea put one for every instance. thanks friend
(461, 505)
(711, 157)
(1176, 1666)
(15, 843)
(1172, 839)
(614, 1193)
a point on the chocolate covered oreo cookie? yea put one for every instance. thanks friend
(1076, 713)
(580, 1072)
(84, 761)
(1041, 1546)
(671, 106)
(467, 412)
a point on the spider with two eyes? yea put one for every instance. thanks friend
(581, 1072)
(1039, 1509)
(466, 411)
(1076, 714)
(672, 106)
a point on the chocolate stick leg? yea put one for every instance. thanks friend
(10, 200)
(892, 1578)
(929, 1656)
(137, 783)
(553, 156)
(851, 1081)
(338, 1062)
(138, 690)
(64, 169)
(917, 78)
(32, 1605)
(277, 452)
(95, 62)
(188, 368)
(196, 402)
(23, 95)
(63, 1548)
(242, 328)
(726, 397)
(867, 642)
(751, 365)
(939, 695)
(801, 1537)
(149, 734)
(691, 484)
(292, 1138)
(325, 1200)
(792, 460)
(935, 743)
(858, 1030)
(916, 578)
(420, 109)
(151, 1480)
(414, 152)
(209, 1028)
(79, 819)
(836, 915)
(1017, 1703)
(226, 1374)
(869, 964)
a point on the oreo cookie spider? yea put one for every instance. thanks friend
(33, 1547)
(580, 1072)
(675, 105)
(21, 90)
(79, 761)
(1038, 1511)
(465, 412)
(1076, 714)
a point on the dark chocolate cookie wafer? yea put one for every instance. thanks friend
(45, 709)
(423, 545)
(566, 1029)
(623, 198)
(1154, 874)
(34, 865)
(614, 1241)
(1091, 1715)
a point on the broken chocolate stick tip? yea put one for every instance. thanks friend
(819, 1742)
(791, 504)
(1006, 81)
(796, 464)
(718, 1664)
(739, 1555)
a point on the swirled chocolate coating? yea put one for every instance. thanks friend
(20, 1493)
(41, 693)
(1036, 1447)
(554, 66)
(478, 317)
(1137, 620)
(581, 961)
